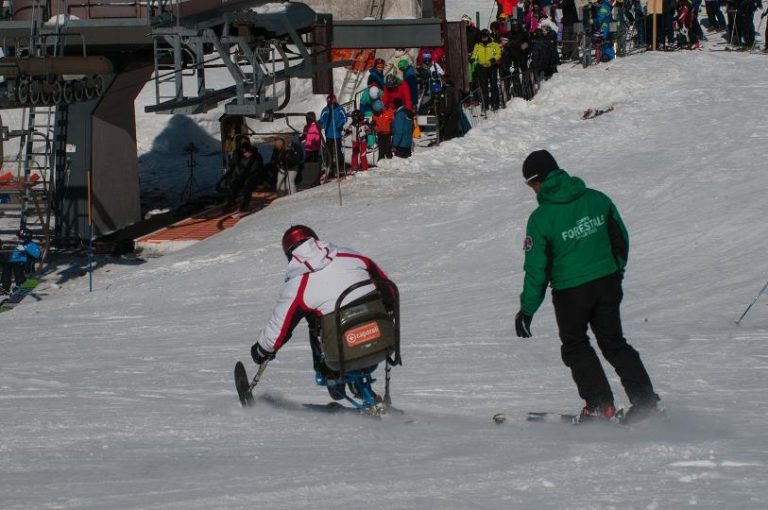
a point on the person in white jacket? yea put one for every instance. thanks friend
(317, 274)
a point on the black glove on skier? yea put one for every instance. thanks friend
(523, 325)
(259, 355)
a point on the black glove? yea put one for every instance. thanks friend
(523, 325)
(493, 61)
(259, 355)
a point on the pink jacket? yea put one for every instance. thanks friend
(311, 138)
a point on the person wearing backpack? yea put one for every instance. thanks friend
(318, 273)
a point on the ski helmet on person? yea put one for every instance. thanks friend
(24, 234)
(294, 236)
(374, 92)
(378, 62)
(426, 58)
(466, 17)
(403, 64)
(331, 98)
(485, 34)
(378, 106)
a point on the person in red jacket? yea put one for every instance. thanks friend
(507, 7)
(396, 89)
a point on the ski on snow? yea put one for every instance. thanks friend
(552, 417)
(541, 417)
(18, 295)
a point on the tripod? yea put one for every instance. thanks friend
(191, 183)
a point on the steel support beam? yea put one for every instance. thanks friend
(387, 33)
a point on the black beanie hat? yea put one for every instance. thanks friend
(537, 165)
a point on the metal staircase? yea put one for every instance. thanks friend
(354, 75)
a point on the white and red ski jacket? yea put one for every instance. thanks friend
(317, 274)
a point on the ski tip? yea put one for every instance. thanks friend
(499, 418)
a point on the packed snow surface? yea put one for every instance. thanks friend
(122, 398)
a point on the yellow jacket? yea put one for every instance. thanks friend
(483, 53)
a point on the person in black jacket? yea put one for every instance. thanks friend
(570, 41)
(245, 172)
(515, 54)
(285, 164)
(543, 64)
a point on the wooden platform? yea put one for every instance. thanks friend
(201, 226)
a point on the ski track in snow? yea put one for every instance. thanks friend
(123, 398)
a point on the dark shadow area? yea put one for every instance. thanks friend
(184, 165)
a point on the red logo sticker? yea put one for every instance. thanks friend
(362, 334)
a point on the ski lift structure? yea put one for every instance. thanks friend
(76, 68)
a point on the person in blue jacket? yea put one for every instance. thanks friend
(402, 131)
(603, 18)
(332, 120)
(376, 73)
(26, 251)
(410, 77)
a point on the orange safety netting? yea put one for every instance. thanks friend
(363, 59)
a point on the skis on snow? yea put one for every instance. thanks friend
(591, 113)
(541, 417)
(553, 417)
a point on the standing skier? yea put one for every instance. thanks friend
(318, 273)
(575, 241)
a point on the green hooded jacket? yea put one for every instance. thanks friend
(574, 236)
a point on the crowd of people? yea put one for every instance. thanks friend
(522, 47)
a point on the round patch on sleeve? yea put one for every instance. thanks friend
(528, 243)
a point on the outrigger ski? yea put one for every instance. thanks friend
(243, 385)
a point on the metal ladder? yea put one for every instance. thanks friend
(34, 174)
(354, 77)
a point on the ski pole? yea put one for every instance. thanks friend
(738, 321)
(257, 377)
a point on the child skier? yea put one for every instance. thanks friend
(25, 252)
(382, 122)
(360, 128)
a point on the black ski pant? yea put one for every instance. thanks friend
(384, 141)
(15, 269)
(596, 304)
(336, 157)
(488, 81)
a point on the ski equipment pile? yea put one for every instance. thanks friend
(591, 113)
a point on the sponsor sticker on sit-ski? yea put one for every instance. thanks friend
(362, 334)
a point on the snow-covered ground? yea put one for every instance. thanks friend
(123, 398)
